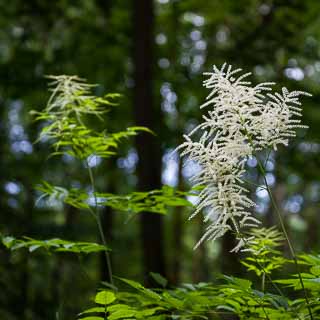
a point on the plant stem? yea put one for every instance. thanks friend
(96, 214)
(284, 230)
(263, 282)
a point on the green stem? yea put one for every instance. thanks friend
(263, 282)
(96, 214)
(284, 230)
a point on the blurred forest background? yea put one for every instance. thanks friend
(153, 53)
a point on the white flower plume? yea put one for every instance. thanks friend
(241, 120)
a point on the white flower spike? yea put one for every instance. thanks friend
(241, 120)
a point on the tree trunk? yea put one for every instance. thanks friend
(230, 264)
(200, 267)
(148, 146)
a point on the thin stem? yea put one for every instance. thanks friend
(291, 248)
(253, 184)
(263, 282)
(267, 158)
(96, 214)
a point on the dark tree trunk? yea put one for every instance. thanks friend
(230, 264)
(200, 267)
(148, 146)
(107, 218)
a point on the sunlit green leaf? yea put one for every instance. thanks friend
(105, 297)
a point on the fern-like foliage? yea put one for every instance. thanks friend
(231, 297)
(265, 256)
(70, 103)
(226, 298)
(51, 245)
(156, 201)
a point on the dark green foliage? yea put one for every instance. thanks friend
(311, 278)
(228, 295)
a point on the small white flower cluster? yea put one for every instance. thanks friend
(243, 119)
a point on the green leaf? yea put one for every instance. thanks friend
(159, 279)
(132, 283)
(51, 245)
(225, 307)
(315, 270)
(122, 314)
(242, 284)
(105, 297)
(120, 311)
(148, 312)
(149, 293)
(176, 303)
(93, 310)
(8, 242)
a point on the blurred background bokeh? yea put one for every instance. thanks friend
(154, 54)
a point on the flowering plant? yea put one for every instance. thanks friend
(242, 120)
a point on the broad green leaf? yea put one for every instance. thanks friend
(122, 314)
(105, 297)
(120, 311)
